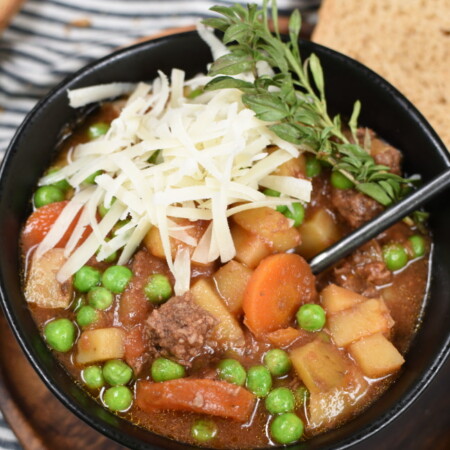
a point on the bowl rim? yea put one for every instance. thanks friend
(102, 426)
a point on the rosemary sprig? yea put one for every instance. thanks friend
(294, 98)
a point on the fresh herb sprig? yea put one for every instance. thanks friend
(294, 97)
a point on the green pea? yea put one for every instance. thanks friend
(116, 278)
(280, 400)
(93, 377)
(118, 398)
(97, 129)
(47, 194)
(119, 225)
(91, 178)
(86, 278)
(232, 371)
(164, 370)
(418, 245)
(103, 210)
(86, 315)
(100, 298)
(116, 372)
(313, 167)
(61, 184)
(340, 181)
(287, 428)
(278, 362)
(259, 381)
(282, 209)
(60, 334)
(271, 193)
(297, 213)
(109, 259)
(395, 256)
(204, 430)
(158, 288)
(311, 317)
(301, 395)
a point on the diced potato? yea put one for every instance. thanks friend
(320, 365)
(364, 319)
(376, 356)
(100, 344)
(42, 287)
(152, 239)
(335, 298)
(271, 226)
(318, 232)
(295, 167)
(227, 331)
(250, 249)
(231, 281)
(327, 409)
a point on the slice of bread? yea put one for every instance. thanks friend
(405, 41)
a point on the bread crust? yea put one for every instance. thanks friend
(405, 41)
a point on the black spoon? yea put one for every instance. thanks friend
(380, 223)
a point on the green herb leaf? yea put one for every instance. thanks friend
(266, 106)
(317, 73)
(227, 83)
(231, 64)
(375, 191)
(235, 32)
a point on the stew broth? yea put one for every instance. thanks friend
(364, 272)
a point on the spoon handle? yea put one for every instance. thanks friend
(371, 229)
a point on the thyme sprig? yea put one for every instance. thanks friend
(293, 99)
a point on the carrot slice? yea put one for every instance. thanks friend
(40, 222)
(206, 396)
(276, 289)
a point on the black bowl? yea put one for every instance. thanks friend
(384, 109)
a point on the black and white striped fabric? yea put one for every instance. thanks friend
(50, 39)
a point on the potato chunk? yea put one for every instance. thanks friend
(327, 409)
(271, 226)
(227, 332)
(231, 281)
(320, 365)
(364, 319)
(100, 345)
(42, 287)
(295, 167)
(376, 356)
(318, 232)
(335, 298)
(250, 249)
(152, 239)
(334, 381)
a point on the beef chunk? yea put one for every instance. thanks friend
(386, 155)
(134, 306)
(180, 329)
(354, 207)
(363, 271)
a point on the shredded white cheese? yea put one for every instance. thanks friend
(212, 163)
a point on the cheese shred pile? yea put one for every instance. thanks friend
(170, 156)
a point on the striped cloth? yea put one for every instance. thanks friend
(50, 39)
